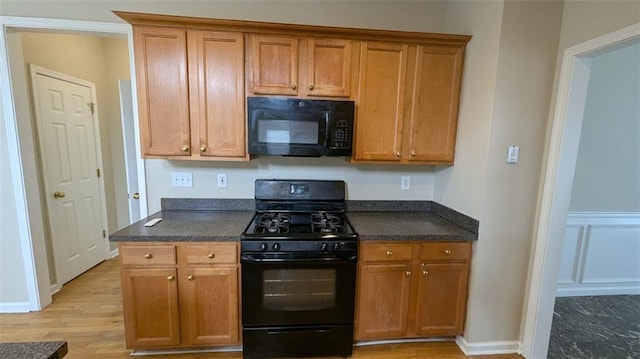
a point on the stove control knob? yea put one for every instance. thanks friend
(336, 247)
(276, 247)
(263, 247)
(324, 247)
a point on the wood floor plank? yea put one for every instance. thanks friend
(87, 313)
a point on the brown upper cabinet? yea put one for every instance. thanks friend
(192, 86)
(190, 93)
(292, 66)
(408, 103)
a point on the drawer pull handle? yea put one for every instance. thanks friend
(211, 256)
(148, 256)
(425, 273)
(447, 251)
(171, 278)
(190, 277)
(407, 273)
(389, 253)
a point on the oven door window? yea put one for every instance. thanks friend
(293, 290)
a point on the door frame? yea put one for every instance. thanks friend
(15, 104)
(34, 71)
(556, 185)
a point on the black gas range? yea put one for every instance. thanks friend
(298, 257)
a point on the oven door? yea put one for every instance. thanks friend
(297, 292)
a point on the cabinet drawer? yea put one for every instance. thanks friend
(209, 254)
(446, 251)
(386, 252)
(137, 255)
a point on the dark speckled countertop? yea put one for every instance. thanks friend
(33, 350)
(193, 220)
(187, 226)
(402, 225)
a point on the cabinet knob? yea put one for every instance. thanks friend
(447, 251)
(211, 256)
(190, 277)
(398, 154)
(310, 86)
(203, 149)
(171, 278)
(407, 274)
(425, 273)
(294, 86)
(148, 256)
(413, 153)
(136, 195)
(389, 253)
(185, 148)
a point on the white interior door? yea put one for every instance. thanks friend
(69, 147)
(129, 139)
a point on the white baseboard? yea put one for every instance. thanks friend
(488, 348)
(15, 307)
(568, 291)
(115, 252)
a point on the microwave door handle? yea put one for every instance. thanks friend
(327, 127)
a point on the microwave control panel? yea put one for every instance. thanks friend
(340, 134)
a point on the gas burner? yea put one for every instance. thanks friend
(273, 222)
(322, 222)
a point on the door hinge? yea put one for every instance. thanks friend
(98, 171)
(92, 107)
(104, 233)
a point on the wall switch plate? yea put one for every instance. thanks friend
(222, 180)
(512, 154)
(405, 183)
(181, 179)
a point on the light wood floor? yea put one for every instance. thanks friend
(87, 313)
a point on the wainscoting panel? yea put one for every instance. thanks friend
(601, 255)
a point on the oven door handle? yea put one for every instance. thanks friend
(253, 259)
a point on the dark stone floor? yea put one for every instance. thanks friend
(596, 327)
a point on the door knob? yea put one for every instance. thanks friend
(58, 194)
(136, 195)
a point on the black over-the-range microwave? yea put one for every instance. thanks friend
(299, 127)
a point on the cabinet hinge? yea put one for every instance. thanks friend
(104, 233)
(92, 107)
(98, 171)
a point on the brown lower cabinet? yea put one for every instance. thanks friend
(180, 295)
(411, 289)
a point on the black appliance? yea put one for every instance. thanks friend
(299, 127)
(298, 257)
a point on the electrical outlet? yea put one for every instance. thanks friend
(405, 183)
(512, 154)
(181, 179)
(222, 180)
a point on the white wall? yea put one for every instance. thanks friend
(12, 278)
(607, 177)
(363, 181)
(516, 42)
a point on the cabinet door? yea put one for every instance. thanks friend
(442, 298)
(328, 68)
(383, 300)
(274, 64)
(216, 71)
(209, 304)
(161, 73)
(381, 95)
(434, 111)
(150, 304)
